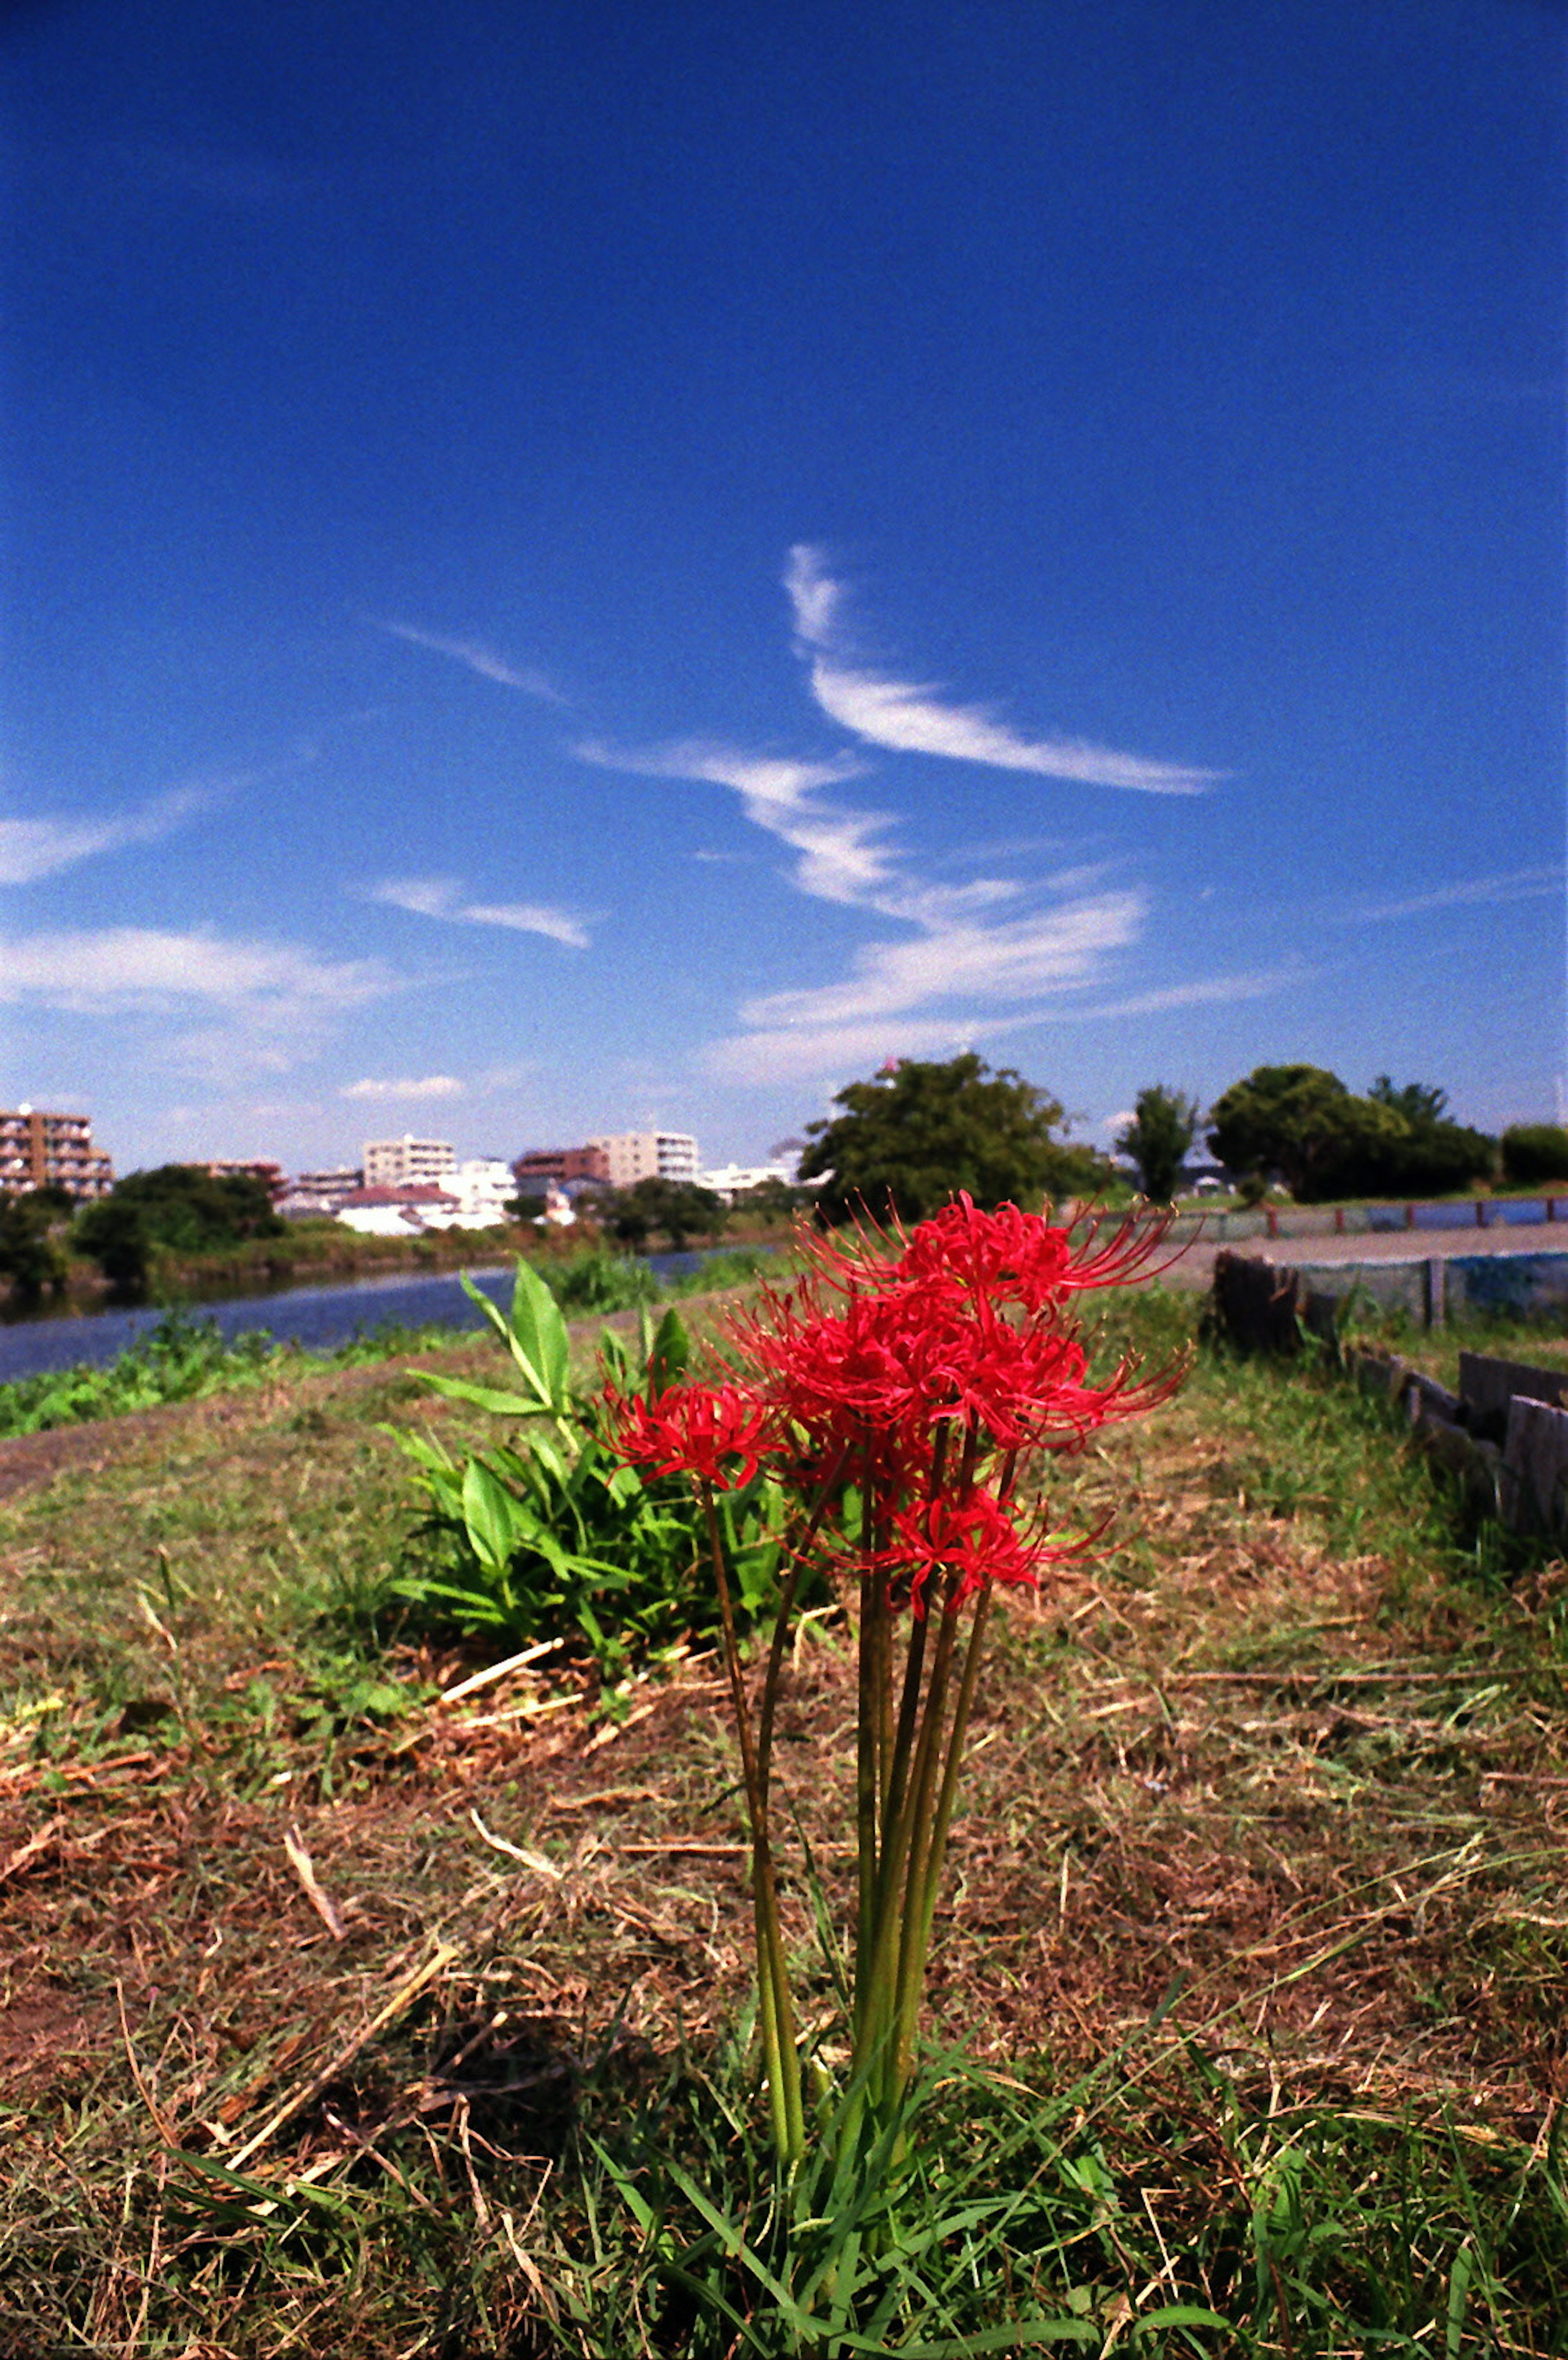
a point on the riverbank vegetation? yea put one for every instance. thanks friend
(184, 1355)
(359, 2000)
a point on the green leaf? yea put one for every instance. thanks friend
(491, 1515)
(991, 2339)
(539, 1339)
(670, 1354)
(425, 1453)
(482, 1396)
(1180, 2314)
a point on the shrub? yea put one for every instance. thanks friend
(556, 1539)
(1533, 1152)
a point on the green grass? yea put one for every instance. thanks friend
(1257, 1935)
(184, 1357)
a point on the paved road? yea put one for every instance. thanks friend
(1196, 1264)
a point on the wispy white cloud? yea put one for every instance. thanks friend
(92, 973)
(274, 1001)
(913, 719)
(1057, 949)
(807, 1053)
(810, 1042)
(1519, 885)
(31, 848)
(968, 955)
(1211, 991)
(844, 857)
(442, 897)
(959, 958)
(428, 1085)
(478, 658)
(933, 994)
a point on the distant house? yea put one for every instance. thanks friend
(633, 1155)
(538, 1166)
(311, 1194)
(409, 1211)
(484, 1189)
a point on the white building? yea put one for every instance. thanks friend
(485, 1187)
(408, 1162)
(633, 1155)
(729, 1180)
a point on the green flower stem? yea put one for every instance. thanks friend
(904, 1910)
(909, 1705)
(865, 1805)
(876, 2019)
(780, 2051)
(914, 1660)
(799, 1552)
(920, 1917)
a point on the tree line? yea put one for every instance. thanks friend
(179, 1208)
(902, 1144)
(911, 1137)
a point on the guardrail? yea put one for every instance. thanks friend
(1233, 1226)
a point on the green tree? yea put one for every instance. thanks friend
(188, 1210)
(677, 1208)
(911, 1139)
(113, 1233)
(29, 1256)
(1304, 1124)
(773, 1199)
(1162, 1130)
(1415, 1101)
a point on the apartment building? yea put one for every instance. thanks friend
(633, 1155)
(255, 1167)
(408, 1161)
(538, 1166)
(41, 1150)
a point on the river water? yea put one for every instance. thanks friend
(317, 1318)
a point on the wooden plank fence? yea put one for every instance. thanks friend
(1503, 1434)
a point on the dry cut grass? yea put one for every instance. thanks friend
(1285, 1785)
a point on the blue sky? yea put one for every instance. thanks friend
(570, 566)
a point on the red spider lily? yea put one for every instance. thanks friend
(894, 1391)
(717, 1433)
(874, 1373)
(1005, 1256)
(975, 1539)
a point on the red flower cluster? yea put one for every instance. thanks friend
(974, 1539)
(715, 1432)
(913, 1376)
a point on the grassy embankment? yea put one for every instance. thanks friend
(1258, 1902)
